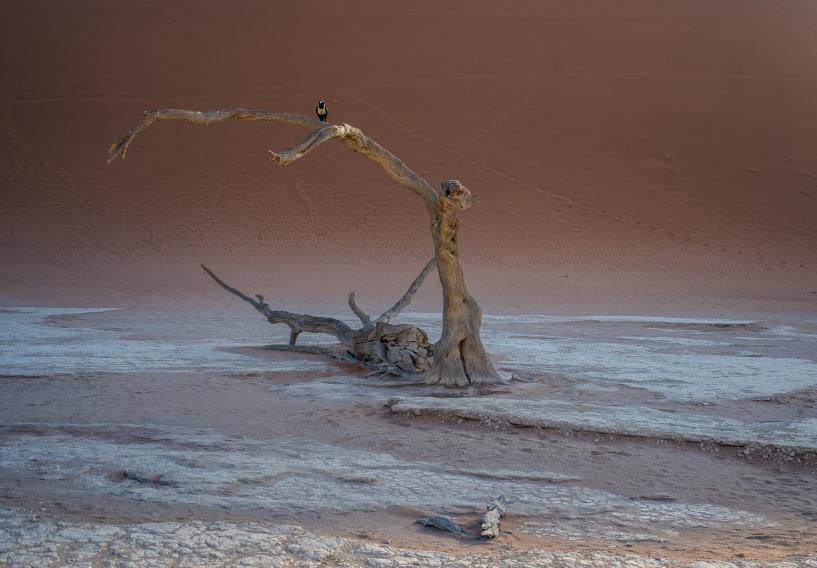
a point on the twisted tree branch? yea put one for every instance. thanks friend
(120, 147)
(321, 132)
(298, 323)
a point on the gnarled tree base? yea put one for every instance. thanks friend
(460, 359)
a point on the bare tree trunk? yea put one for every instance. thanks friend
(460, 358)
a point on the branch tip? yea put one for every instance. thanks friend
(364, 318)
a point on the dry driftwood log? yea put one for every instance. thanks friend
(459, 356)
(379, 344)
(489, 522)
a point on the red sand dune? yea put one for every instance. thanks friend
(643, 155)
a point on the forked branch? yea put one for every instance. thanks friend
(399, 306)
(321, 132)
(403, 302)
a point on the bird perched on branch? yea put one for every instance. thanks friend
(322, 111)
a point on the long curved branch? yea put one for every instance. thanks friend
(401, 304)
(393, 165)
(312, 141)
(349, 135)
(120, 147)
(298, 323)
(354, 138)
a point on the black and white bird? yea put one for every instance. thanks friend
(322, 111)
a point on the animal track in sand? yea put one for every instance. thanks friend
(390, 117)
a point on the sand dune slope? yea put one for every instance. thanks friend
(626, 153)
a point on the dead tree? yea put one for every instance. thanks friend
(459, 356)
(379, 344)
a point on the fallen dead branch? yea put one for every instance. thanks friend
(391, 348)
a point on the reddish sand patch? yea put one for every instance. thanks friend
(627, 154)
